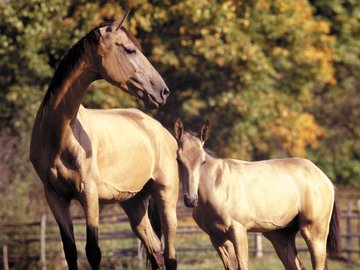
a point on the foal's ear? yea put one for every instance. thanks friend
(205, 131)
(119, 22)
(178, 129)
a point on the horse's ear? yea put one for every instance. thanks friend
(119, 22)
(205, 131)
(178, 129)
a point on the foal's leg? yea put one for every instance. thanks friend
(283, 241)
(60, 208)
(137, 210)
(315, 236)
(89, 199)
(225, 249)
(238, 236)
(165, 201)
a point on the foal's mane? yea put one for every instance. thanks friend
(70, 60)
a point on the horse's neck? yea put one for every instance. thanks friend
(210, 177)
(63, 102)
(66, 99)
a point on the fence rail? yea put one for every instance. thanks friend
(16, 239)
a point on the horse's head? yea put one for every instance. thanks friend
(122, 63)
(191, 157)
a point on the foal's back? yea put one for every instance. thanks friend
(267, 195)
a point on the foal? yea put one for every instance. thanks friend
(275, 197)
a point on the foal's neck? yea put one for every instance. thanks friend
(209, 177)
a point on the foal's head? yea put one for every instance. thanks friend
(191, 156)
(120, 61)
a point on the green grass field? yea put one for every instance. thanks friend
(204, 259)
(209, 260)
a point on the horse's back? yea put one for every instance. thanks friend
(126, 147)
(124, 121)
(275, 191)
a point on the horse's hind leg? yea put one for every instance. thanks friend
(60, 208)
(315, 236)
(136, 209)
(226, 251)
(283, 241)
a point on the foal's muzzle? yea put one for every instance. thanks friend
(190, 201)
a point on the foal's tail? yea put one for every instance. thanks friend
(334, 238)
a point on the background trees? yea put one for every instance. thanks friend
(276, 78)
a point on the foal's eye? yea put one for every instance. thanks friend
(203, 162)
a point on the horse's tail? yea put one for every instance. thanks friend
(334, 238)
(154, 218)
(155, 222)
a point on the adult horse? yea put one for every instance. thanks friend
(106, 155)
(275, 197)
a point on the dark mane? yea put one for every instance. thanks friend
(70, 60)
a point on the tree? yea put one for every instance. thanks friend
(338, 106)
(276, 78)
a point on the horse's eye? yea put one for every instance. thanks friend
(203, 162)
(130, 50)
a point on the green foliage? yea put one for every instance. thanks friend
(276, 78)
(252, 68)
(337, 107)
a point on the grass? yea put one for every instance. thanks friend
(187, 260)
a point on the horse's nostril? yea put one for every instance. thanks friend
(190, 201)
(165, 92)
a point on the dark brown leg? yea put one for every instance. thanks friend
(60, 208)
(283, 241)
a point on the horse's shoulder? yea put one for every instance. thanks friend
(298, 162)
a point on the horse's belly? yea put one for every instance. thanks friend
(274, 216)
(109, 194)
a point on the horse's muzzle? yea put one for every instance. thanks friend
(190, 201)
(153, 102)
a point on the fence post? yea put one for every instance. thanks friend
(348, 232)
(258, 246)
(43, 242)
(5, 257)
(358, 222)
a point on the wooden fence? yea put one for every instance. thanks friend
(39, 242)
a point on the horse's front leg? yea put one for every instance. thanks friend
(60, 208)
(89, 199)
(238, 236)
